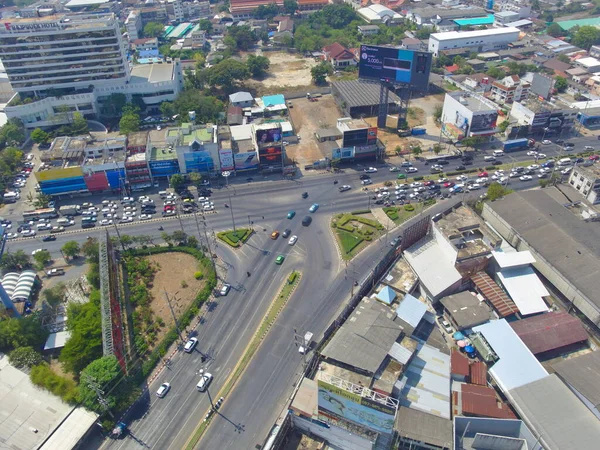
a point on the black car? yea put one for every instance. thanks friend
(88, 224)
(559, 141)
(461, 167)
(467, 158)
(443, 162)
(579, 160)
(569, 144)
(520, 169)
(364, 176)
(435, 187)
(496, 162)
(249, 179)
(468, 163)
(306, 221)
(48, 238)
(305, 195)
(286, 232)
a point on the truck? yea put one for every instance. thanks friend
(69, 210)
(517, 144)
(418, 131)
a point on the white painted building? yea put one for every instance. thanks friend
(477, 41)
(133, 25)
(586, 180)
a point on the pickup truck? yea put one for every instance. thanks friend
(55, 272)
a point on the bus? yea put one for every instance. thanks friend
(44, 213)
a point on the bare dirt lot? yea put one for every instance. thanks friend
(174, 270)
(287, 72)
(307, 118)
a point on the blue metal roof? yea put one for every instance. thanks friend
(386, 295)
(411, 310)
(273, 100)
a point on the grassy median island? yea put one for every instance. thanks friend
(235, 238)
(400, 214)
(354, 231)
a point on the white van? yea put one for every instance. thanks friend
(564, 162)
(498, 153)
(204, 382)
(163, 194)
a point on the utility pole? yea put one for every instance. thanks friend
(173, 314)
(92, 384)
(226, 174)
(300, 341)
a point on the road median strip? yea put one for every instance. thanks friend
(273, 312)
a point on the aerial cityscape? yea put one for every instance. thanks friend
(300, 224)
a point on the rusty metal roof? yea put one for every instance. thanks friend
(494, 294)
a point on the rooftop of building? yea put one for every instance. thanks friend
(152, 73)
(347, 123)
(506, 433)
(423, 427)
(592, 172)
(466, 309)
(472, 102)
(363, 341)
(203, 134)
(356, 93)
(401, 277)
(542, 220)
(581, 373)
(450, 35)
(66, 20)
(162, 152)
(137, 139)
(476, 400)
(137, 157)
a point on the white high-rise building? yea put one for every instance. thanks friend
(63, 52)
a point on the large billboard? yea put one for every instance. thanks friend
(272, 155)
(226, 159)
(360, 137)
(246, 161)
(395, 65)
(354, 408)
(57, 174)
(483, 121)
(267, 136)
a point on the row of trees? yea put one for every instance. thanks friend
(582, 37)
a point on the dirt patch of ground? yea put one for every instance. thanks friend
(308, 117)
(57, 368)
(174, 271)
(287, 71)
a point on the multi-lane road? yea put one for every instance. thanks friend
(229, 323)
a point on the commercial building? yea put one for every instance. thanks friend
(133, 25)
(561, 238)
(361, 98)
(467, 114)
(510, 89)
(359, 140)
(473, 41)
(72, 62)
(244, 9)
(543, 118)
(379, 14)
(433, 16)
(471, 433)
(586, 181)
(464, 310)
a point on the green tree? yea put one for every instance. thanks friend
(12, 157)
(24, 357)
(130, 120)
(177, 181)
(266, 11)
(416, 151)
(153, 29)
(39, 136)
(113, 105)
(42, 258)
(192, 241)
(437, 148)
(206, 25)
(226, 73)
(242, 37)
(104, 372)
(79, 127)
(23, 332)
(554, 30)
(207, 107)
(560, 83)
(90, 249)
(39, 201)
(167, 238)
(13, 262)
(471, 142)
(12, 133)
(336, 16)
(85, 343)
(495, 72)
(71, 249)
(257, 65)
(167, 109)
(179, 236)
(55, 295)
(437, 112)
(586, 36)
(504, 126)
(195, 178)
(126, 240)
(496, 191)
(320, 71)
(290, 6)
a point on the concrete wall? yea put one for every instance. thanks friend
(337, 438)
(564, 286)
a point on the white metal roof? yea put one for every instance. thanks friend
(71, 430)
(588, 62)
(525, 289)
(400, 353)
(474, 34)
(241, 132)
(513, 259)
(57, 340)
(516, 365)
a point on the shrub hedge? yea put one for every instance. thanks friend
(361, 211)
(409, 208)
(235, 239)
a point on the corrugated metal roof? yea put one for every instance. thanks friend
(357, 93)
(525, 288)
(549, 331)
(482, 401)
(501, 302)
(478, 371)
(582, 373)
(411, 310)
(400, 353)
(459, 364)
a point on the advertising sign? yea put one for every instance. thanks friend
(354, 408)
(372, 135)
(270, 135)
(246, 161)
(56, 174)
(342, 153)
(226, 159)
(395, 65)
(485, 121)
(353, 138)
(270, 155)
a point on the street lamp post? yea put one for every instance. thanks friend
(227, 174)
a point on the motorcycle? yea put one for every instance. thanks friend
(160, 228)
(335, 181)
(226, 205)
(248, 273)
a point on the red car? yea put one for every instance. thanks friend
(169, 208)
(448, 184)
(428, 183)
(483, 174)
(594, 157)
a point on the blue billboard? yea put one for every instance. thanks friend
(246, 161)
(395, 65)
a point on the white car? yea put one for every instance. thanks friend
(28, 233)
(489, 158)
(163, 389)
(33, 253)
(145, 217)
(44, 226)
(541, 156)
(129, 213)
(366, 182)
(129, 208)
(411, 170)
(89, 213)
(532, 153)
(394, 169)
(415, 184)
(105, 222)
(533, 167)
(566, 171)
(345, 188)
(370, 170)
(190, 344)
(170, 213)
(474, 187)
(225, 290)
(588, 147)
(514, 175)
(293, 240)
(462, 178)
(170, 203)
(202, 199)
(126, 219)
(546, 142)
(442, 180)
(526, 178)
(143, 197)
(12, 235)
(205, 208)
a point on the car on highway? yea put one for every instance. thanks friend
(37, 250)
(286, 232)
(126, 220)
(460, 167)
(305, 195)
(406, 164)
(394, 169)
(58, 229)
(225, 290)
(411, 170)
(105, 222)
(313, 208)
(365, 177)
(589, 147)
(48, 238)
(370, 170)
(546, 142)
(205, 380)
(279, 260)
(55, 272)
(541, 156)
(526, 178)
(43, 226)
(145, 217)
(306, 221)
(569, 144)
(163, 389)
(366, 182)
(275, 235)
(293, 240)
(28, 233)
(344, 188)
(559, 141)
(291, 214)
(401, 176)
(489, 158)
(190, 345)
(11, 235)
